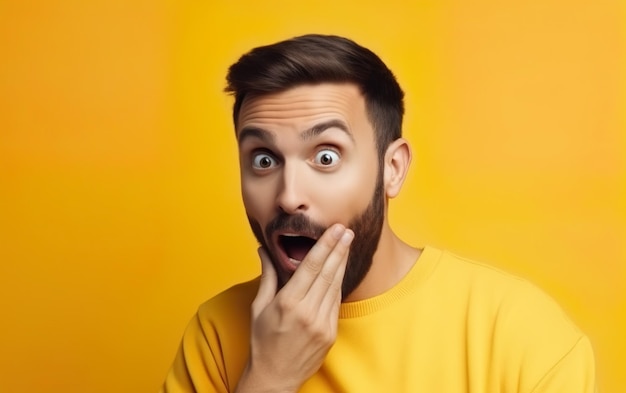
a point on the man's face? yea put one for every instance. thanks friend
(308, 160)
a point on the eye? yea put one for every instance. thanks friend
(263, 161)
(327, 157)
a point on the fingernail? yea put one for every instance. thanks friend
(338, 230)
(347, 237)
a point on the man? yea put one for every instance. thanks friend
(343, 304)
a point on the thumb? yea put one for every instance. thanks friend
(267, 286)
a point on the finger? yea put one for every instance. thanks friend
(267, 286)
(330, 307)
(331, 303)
(312, 264)
(327, 286)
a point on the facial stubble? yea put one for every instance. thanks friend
(367, 228)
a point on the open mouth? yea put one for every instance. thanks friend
(295, 246)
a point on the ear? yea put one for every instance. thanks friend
(397, 161)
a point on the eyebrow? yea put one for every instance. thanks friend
(267, 136)
(321, 127)
(255, 132)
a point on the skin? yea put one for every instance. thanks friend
(311, 151)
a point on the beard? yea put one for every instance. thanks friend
(367, 228)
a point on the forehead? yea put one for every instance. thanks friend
(304, 104)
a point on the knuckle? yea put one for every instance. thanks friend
(322, 336)
(285, 303)
(306, 320)
(316, 328)
(313, 264)
(327, 277)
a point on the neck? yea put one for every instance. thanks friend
(391, 262)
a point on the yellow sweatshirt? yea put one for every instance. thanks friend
(450, 325)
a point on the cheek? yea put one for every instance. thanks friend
(256, 200)
(346, 196)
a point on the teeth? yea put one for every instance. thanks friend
(296, 235)
(295, 261)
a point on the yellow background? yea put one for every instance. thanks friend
(119, 196)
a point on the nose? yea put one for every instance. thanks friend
(292, 195)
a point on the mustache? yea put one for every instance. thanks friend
(298, 223)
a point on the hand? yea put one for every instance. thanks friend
(293, 330)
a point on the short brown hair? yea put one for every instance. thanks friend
(312, 59)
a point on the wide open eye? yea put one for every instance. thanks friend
(327, 158)
(263, 161)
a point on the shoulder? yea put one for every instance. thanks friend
(527, 332)
(477, 274)
(221, 326)
(214, 347)
(230, 305)
(511, 301)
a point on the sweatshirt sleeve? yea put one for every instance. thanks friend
(573, 373)
(198, 366)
